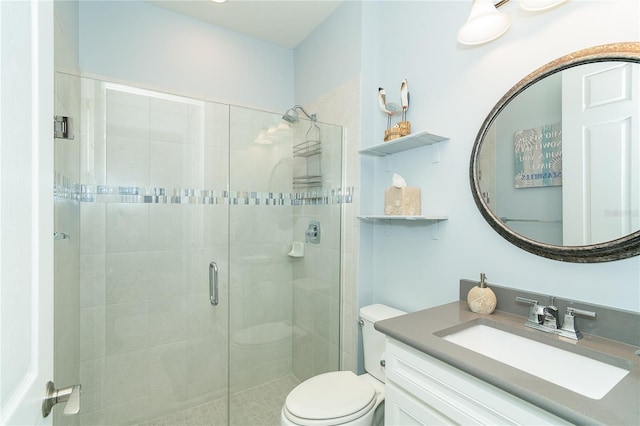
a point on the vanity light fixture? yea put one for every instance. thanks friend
(539, 5)
(486, 23)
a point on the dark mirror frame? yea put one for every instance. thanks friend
(617, 249)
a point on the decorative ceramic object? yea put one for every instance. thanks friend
(481, 299)
(403, 127)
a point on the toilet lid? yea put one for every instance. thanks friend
(329, 396)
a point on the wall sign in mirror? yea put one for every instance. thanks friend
(555, 167)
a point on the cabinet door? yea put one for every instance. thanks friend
(455, 394)
(400, 408)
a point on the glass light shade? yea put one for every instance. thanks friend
(485, 23)
(539, 5)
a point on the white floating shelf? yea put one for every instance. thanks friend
(404, 143)
(398, 217)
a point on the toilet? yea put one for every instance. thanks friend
(341, 397)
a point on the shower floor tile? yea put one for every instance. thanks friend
(258, 406)
(261, 405)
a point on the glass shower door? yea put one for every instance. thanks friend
(153, 218)
(284, 305)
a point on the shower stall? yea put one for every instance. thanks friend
(179, 295)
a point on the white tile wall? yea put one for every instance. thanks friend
(93, 329)
(341, 106)
(127, 228)
(126, 277)
(127, 327)
(93, 279)
(168, 121)
(127, 113)
(127, 160)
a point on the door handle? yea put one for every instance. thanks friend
(53, 396)
(213, 283)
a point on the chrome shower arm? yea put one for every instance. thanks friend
(292, 115)
(311, 117)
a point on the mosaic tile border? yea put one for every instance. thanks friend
(156, 195)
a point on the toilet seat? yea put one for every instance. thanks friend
(329, 399)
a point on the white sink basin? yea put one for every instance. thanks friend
(586, 376)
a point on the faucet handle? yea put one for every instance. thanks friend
(535, 312)
(525, 300)
(580, 312)
(569, 328)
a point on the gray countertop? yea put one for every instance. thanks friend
(621, 406)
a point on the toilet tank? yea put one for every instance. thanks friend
(372, 340)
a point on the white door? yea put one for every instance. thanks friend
(26, 209)
(600, 152)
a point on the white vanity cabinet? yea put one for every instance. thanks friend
(421, 390)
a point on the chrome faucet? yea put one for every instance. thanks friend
(547, 318)
(551, 317)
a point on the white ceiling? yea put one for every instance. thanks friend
(284, 22)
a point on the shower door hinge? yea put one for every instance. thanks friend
(62, 127)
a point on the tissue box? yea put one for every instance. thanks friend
(402, 201)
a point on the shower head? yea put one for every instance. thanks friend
(292, 115)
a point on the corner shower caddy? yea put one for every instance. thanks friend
(414, 140)
(310, 150)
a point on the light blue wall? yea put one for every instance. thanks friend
(143, 43)
(330, 56)
(453, 88)
(66, 37)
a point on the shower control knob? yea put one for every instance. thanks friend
(312, 233)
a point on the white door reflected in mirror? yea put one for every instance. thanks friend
(601, 152)
(597, 108)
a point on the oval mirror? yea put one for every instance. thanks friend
(555, 167)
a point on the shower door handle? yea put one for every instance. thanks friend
(213, 283)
